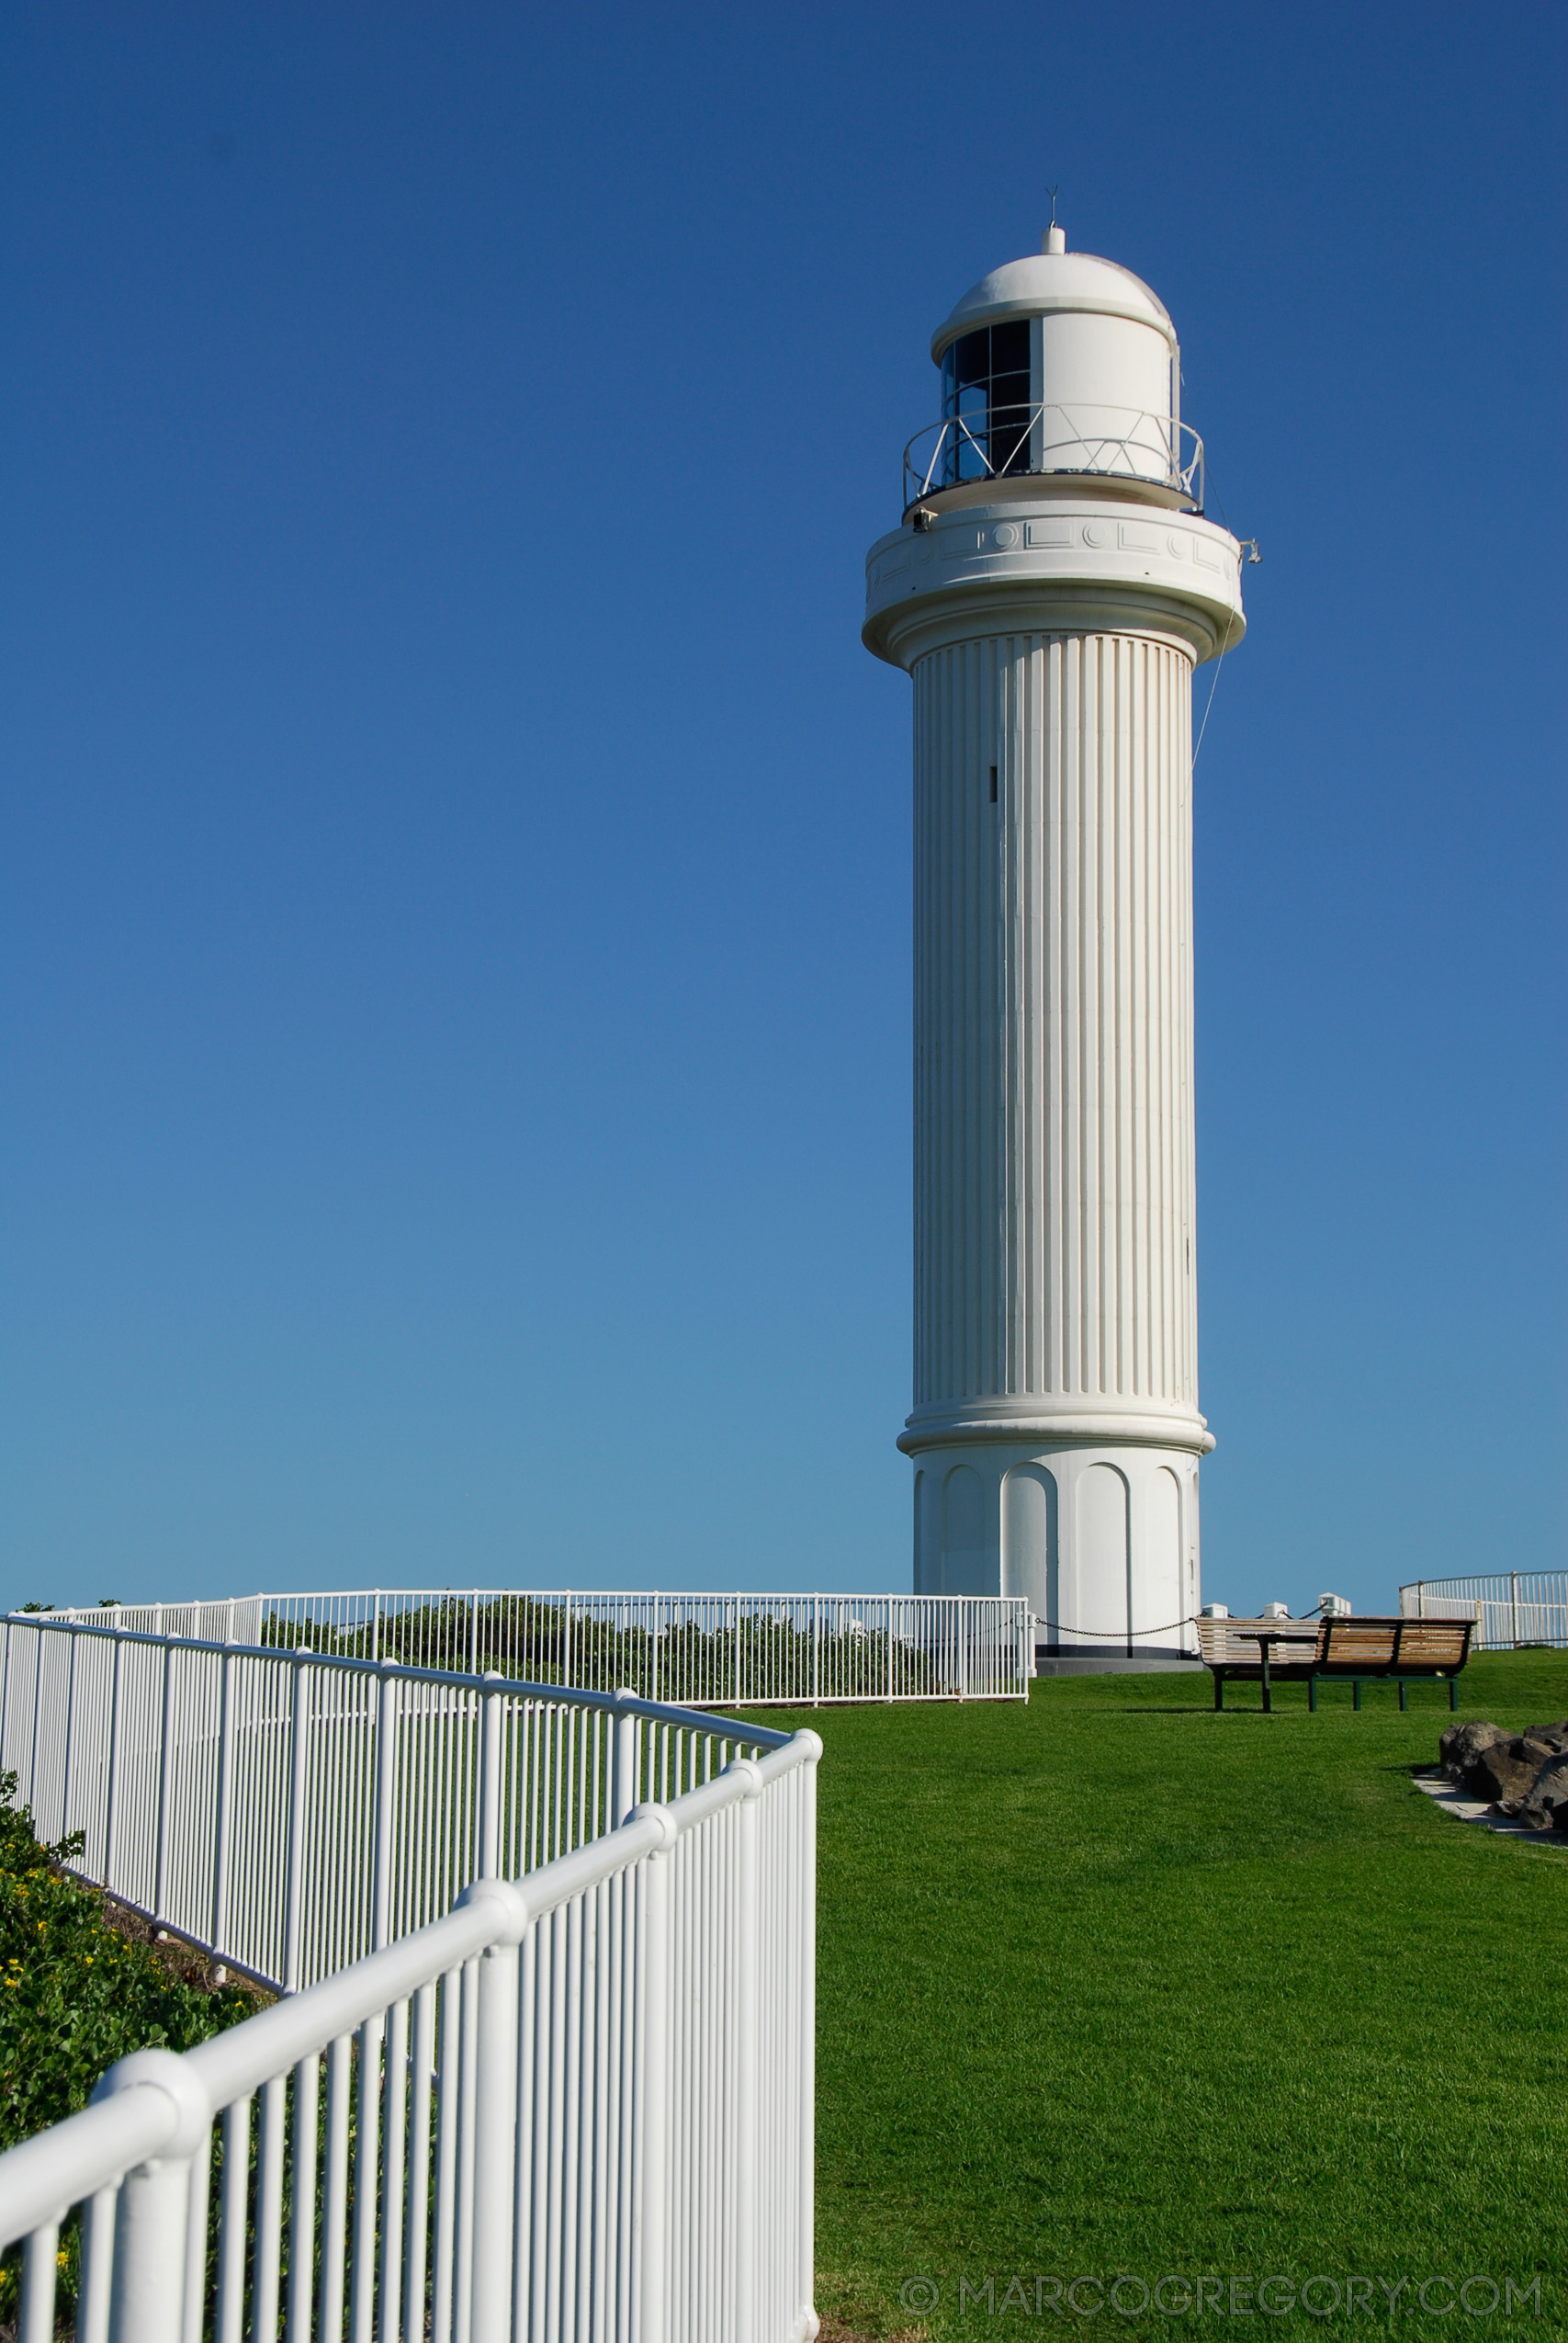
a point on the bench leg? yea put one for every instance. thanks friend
(1453, 1693)
(1311, 1695)
(1354, 1691)
(1219, 1689)
(1403, 1689)
(1268, 1696)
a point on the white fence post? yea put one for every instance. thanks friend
(112, 1787)
(624, 1767)
(36, 2324)
(223, 1822)
(1514, 1607)
(155, 2199)
(161, 1875)
(495, 2145)
(70, 1723)
(299, 1752)
(386, 1781)
(494, 1717)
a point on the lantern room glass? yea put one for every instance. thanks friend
(986, 384)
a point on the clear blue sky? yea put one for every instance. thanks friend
(456, 851)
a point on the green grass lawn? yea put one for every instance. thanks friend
(1112, 1984)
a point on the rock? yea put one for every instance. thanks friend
(1551, 1737)
(1505, 1770)
(1462, 1744)
(1545, 1806)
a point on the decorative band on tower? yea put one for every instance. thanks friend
(1051, 588)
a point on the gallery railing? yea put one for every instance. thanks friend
(1084, 440)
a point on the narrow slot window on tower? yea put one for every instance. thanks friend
(993, 785)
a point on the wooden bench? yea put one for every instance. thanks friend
(1274, 1651)
(1405, 1651)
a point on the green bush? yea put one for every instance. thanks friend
(74, 1996)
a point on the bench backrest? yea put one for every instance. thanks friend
(1233, 1643)
(1393, 1644)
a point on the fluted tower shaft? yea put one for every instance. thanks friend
(1054, 1135)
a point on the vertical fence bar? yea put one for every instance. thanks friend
(806, 2050)
(651, 2076)
(416, 2249)
(745, 1933)
(334, 2193)
(303, 2210)
(37, 1690)
(223, 1821)
(268, 2256)
(443, 2290)
(69, 1724)
(386, 1783)
(1513, 1608)
(98, 2216)
(362, 2252)
(161, 1874)
(490, 1778)
(111, 1815)
(193, 2325)
(394, 2173)
(35, 2322)
(298, 1753)
(231, 2230)
(495, 2146)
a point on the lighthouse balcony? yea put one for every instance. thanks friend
(1158, 457)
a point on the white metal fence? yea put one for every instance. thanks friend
(289, 1809)
(739, 1650)
(1511, 1608)
(578, 2107)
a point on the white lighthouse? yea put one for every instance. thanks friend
(1051, 588)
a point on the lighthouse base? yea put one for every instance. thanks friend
(1100, 1538)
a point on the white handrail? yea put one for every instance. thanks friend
(486, 2201)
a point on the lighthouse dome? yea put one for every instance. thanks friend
(1043, 283)
(1059, 363)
